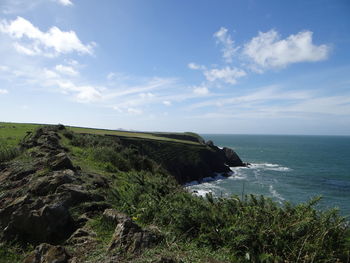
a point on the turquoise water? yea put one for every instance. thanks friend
(287, 168)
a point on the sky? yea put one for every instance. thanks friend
(207, 66)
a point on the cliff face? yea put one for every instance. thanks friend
(187, 162)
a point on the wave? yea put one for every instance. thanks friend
(268, 166)
(275, 193)
(205, 188)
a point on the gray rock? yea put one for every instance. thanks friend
(45, 253)
(114, 217)
(232, 159)
(51, 223)
(48, 184)
(130, 238)
(60, 161)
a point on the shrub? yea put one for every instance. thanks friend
(8, 153)
(256, 227)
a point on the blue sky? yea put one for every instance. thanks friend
(249, 67)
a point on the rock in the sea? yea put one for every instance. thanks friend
(45, 253)
(210, 143)
(130, 238)
(232, 159)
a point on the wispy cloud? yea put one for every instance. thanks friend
(201, 90)
(226, 74)
(30, 40)
(3, 91)
(228, 50)
(66, 70)
(195, 66)
(65, 2)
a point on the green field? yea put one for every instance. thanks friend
(12, 133)
(139, 135)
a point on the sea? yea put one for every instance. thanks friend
(290, 168)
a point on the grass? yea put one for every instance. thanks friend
(11, 254)
(138, 135)
(10, 135)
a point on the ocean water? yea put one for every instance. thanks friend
(286, 168)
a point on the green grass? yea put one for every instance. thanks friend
(138, 135)
(12, 133)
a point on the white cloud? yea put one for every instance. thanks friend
(134, 111)
(65, 2)
(226, 74)
(256, 97)
(4, 68)
(66, 70)
(195, 66)
(111, 76)
(167, 103)
(228, 50)
(201, 91)
(18, 6)
(3, 91)
(35, 42)
(87, 94)
(147, 95)
(267, 50)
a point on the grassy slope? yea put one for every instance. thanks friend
(12, 133)
(138, 135)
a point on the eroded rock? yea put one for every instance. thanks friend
(128, 237)
(45, 253)
(232, 159)
(114, 217)
(60, 161)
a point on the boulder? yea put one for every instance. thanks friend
(48, 184)
(60, 161)
(81, 236)
(45, 253)
(72, 194)
(114, 217)
(128, 237)
(50, 223)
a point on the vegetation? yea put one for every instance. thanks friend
(173, 137)
(199, 229)
(10, 135)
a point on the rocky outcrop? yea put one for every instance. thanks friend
(128, 237)
(38, 192)
(45, 253)
(232, 158)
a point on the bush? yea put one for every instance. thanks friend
(256, 227)
(8, 153)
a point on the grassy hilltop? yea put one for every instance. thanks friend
(114, 196)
